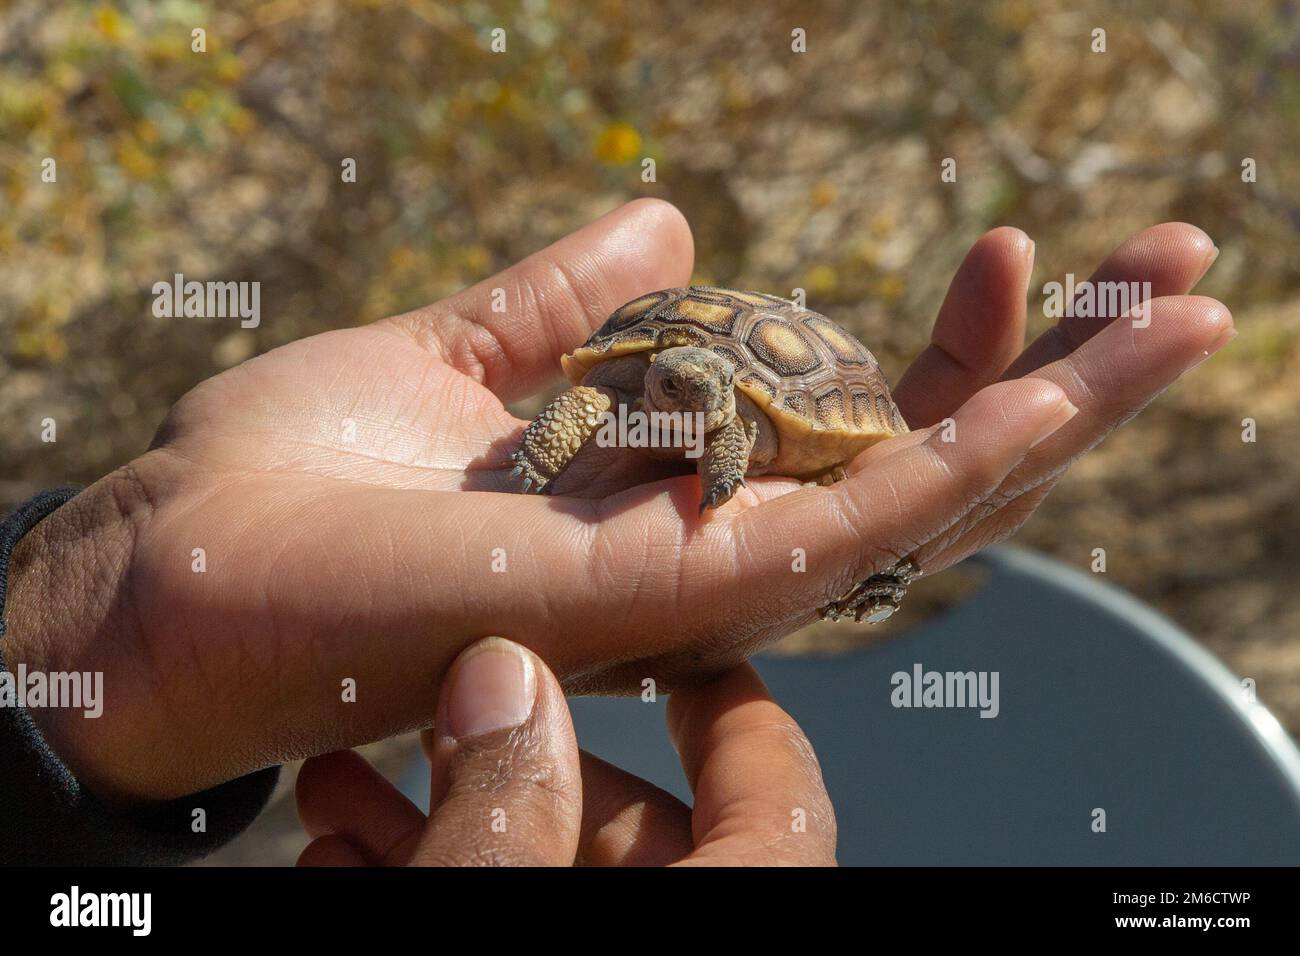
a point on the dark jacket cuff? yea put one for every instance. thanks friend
(47, 818)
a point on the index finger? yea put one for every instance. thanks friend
(759, 795)
(1172, 257)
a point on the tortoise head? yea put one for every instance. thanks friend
(687, 378)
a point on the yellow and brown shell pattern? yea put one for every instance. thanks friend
(806, 371)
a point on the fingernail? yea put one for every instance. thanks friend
(1209, 261)
(493, 688)
(1064, 412)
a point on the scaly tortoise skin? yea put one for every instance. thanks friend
(787, 392)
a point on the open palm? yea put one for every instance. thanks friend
(336, 513)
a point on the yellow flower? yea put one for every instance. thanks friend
(821, 279)
(883, 224)
(229, 69)
(477, 259)
(618, 143)
(194, 101)
(109, 22)
(890, 287)
(65, 76)
(146, 131)
(41, 346)
(239, 121)
(25, 105)
(401, 258)
(823, 193)
(498, 99)
(166, 47)
(135, 162)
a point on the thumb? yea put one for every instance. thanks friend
(507, 789)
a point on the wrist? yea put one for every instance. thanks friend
(64, 575)
(35, 574)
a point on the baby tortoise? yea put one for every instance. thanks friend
(781, 391)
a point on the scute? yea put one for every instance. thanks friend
(756, 299)
(713, 317)
(782, 347)
(847, 349)
(728, 353)
(863, 410)
(796, 402)
(752, 382)
(830, 409)
(885, 409)
(632, 313)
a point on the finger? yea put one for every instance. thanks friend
(1110, 378)
(627, 821)
(979, 332)
(555, 298)
(507, 785)
(331, 851)
(1172, 257)
(882, 514)
(341, 794)
(759, 795)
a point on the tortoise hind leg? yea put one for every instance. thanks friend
(879, 596)
(832, 475)
(555, 436)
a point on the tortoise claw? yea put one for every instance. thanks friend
(536, 486)
(720, 493)
(534, 482)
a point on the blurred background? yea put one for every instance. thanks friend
(817, 170)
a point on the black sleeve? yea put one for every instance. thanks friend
(45, 815)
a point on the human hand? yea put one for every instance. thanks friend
(1108, 367)
(344, 490)
(510, 787)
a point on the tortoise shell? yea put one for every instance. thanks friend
(820, 386)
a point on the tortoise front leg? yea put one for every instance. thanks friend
(555, 437)
(725, 460)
